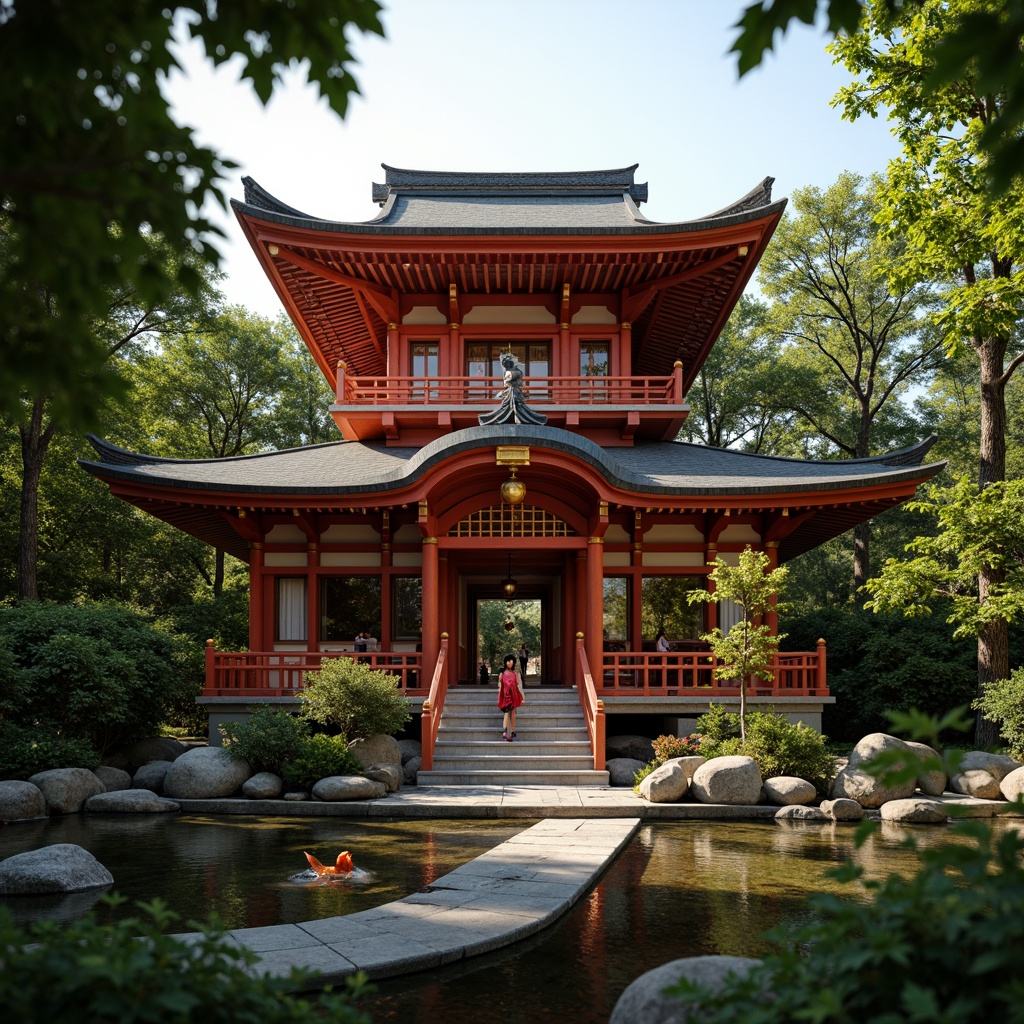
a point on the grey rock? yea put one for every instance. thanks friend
(155, 748)
(378, 749)
(666, 784)
(67, 789)
(113, 778)
(842, 809)
(348, 787)
(727, 780)
(915, 810)
(976, 782)
(389, 774)
(130, 801)
(62, 867)
(933, 782)
(411, 769)
(785, 790)
(855, 784)
(997, 765)
(689, 764)
(643, 1001)
(873, 744)
(410, 749)
(637, 748)
(1012, 786)
(622, 770)
(263, 786)
(151, 776)
(21, 801)
(800, 812)
(296, 795)
(205, 773)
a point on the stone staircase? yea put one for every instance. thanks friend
(551, 748)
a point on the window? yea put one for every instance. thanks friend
(423, 359)
(616, 613)
(407, 607)
(594, 357)
(291, 609)
(664, 606)
(349, 605)
(483, 358)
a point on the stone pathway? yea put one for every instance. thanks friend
(504, 895)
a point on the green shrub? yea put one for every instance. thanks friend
(354, 699)
(66, 973)
(1003, 702)
(779, 747)
(100, 673)
(25, 751)
(268, 740)
(319, 757)
(667, 747)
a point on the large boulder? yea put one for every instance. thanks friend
(410, 749)
(643, 1001)
(1012, 786)
(130, 801)
(348, 787)
(784, 790)
(622, 770)
(854, 783)
(689, 765)
(21, 801)
(875, 743)
(933, 781)
(997, 765)
(800, 812)
(205, 773)
(151, 776)
(976, 782)
(113, 778)
(411, 769)
(842, 809)
(667, 784)
(727, 780)
(915, 810)
(637, 748)
(62, 867)
(378, 749)
(155, 748)
(67, 789)
(390, 774)
(263, 786)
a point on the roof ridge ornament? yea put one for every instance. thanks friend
(513, 407)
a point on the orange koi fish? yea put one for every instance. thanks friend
(342, 866)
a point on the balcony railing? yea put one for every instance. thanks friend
(485, 391)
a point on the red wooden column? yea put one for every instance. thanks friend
(771, 619)
(431, 598)
(579, 597)
(711, 608)
(312, 597)
(594, 643)
(256, 603)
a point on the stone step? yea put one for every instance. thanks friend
(503, 762)
(556, 734)
(560, 777)
(522, 746)
(487, 721)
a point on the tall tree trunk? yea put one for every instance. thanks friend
(861, 559)
(993, 640)
(35, 439)
(218, 576)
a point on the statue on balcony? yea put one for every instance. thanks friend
(513, 407)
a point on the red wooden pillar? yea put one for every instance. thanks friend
(256, 609)
(312, 597)
(431, 598)
(594, 632)
(771, 619)
(711, 609)
(580, 592)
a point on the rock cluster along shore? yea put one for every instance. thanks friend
(155, 774)
(921, 800)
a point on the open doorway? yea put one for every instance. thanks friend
(495, 638)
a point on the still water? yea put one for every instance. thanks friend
(680, 889)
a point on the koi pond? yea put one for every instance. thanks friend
(679, 889)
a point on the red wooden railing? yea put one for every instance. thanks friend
(484, 391)
(692, 674)
(593, 708)
(282, 673)
(433, 707)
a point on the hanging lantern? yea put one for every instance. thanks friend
(513, 490)
(509, 586)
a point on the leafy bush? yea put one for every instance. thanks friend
(779, 747)
(319, 757)
(66, 973)
(667, 747)
(354, 699)
(1003, 702)
(99, 673)
(268, 740)
(25, 751)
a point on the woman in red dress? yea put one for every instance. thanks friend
(510, 696)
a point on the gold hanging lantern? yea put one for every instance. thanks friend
(513, 490)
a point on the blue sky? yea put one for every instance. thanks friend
(500, 85)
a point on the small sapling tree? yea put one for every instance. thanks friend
(749, 646)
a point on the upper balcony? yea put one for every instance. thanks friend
(611, 411)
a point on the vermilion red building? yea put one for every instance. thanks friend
(400, 528)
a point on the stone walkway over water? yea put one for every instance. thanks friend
(504, 895)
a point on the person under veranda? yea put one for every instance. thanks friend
(510, 697)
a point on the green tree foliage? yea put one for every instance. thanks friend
(854, 344)
(268, 739)
(92, 165)
(354, 699)
(26, 750)
(748, 648)
(320, 757)
(65, 973)
(98, 673)
(1002, 702)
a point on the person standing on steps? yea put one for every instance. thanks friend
(524, 656)
(510, 696)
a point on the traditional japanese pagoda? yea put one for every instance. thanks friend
(553, 476)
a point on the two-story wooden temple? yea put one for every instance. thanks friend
(452, 482)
